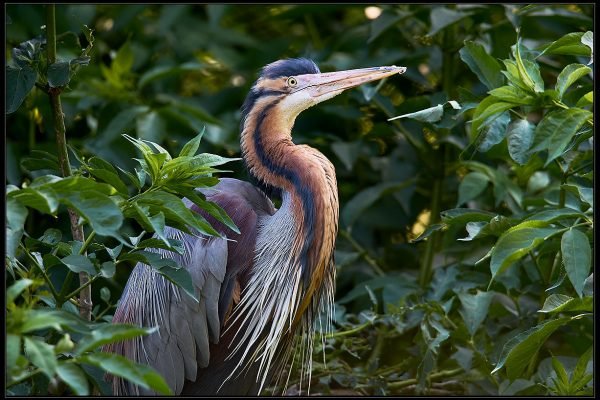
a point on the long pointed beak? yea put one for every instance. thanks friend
(329, 84)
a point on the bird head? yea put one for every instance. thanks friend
(293, 85)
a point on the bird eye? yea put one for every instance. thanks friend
(291, 81)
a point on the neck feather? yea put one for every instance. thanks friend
(306, 176)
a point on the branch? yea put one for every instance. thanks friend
(63, 156)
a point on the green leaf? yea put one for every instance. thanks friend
(431, 228)
(580, 369)
(123, 60)
(151, 126)
(138, 374)
(118, 125)
(432, 114)
(44, 200)
(175, 211)
(441, 17)
(39, 160)
(364, 199)
(79, 263)
(489, 109)
(585, 100)
(41, 355)
(474, 309)
(19, 82)
(524, 73)
(16, 289)
(493, 132)
(58, 74)
(211, 160)
(149, 258)
(569, 75)
(188, 108)
(385, 20)
(561, 373)
(180, 277)
(105, 294)
(517, 242)
(73, 376)
(191, 147)
(42, 319)
(57, 319)
(100, 211)
(172, 245)
(472, 185)
(513, 76)
(460, 216)
(520, 137)
(553, 215)
(104, 171)
(135, 179)
(16, 214)
(556, 303)
(585, 194)
(110, 333)
(473, 229)
(347, 152)
(155, 223)
(570, 44)
(486, 67)
(519, 351)
(512, 94)
(588, 40)
(108, 269)
(577, 257)
(164, 71)
(13, 350)
(212, 208)
(556, 129)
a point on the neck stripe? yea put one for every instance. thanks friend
(302, 190)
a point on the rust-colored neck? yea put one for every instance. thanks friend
(309, 180)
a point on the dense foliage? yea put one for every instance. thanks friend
(466, 232)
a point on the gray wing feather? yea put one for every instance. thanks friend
(185, 340)
(181, 345)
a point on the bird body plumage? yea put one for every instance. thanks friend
(261, 293)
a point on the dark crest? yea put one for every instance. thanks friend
(289, 67)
